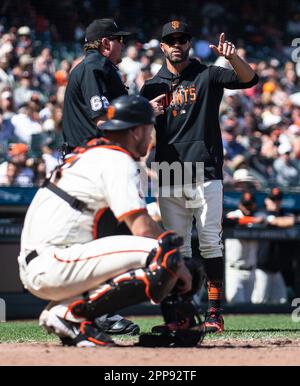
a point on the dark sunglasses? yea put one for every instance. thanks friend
(171, 40)
(120, 38)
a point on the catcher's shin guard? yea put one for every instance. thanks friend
(136, 286)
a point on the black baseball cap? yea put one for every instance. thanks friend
(101, 28)
(175, 26)
(128, 111)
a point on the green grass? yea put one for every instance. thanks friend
(240, 327)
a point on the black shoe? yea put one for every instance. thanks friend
(88, 336)
(117, 325)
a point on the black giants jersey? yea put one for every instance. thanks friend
(93, 84)
(189, 131)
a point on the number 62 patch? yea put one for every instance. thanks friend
(97, 103)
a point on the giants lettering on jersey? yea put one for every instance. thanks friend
(180, 98)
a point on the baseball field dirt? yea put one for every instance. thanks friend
(227, 352)
(248, 340)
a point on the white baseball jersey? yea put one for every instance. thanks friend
(101, 178)
(69, 261)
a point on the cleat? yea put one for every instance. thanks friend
(214, 322)
(117, 325)
(123, 327)
(84, 334)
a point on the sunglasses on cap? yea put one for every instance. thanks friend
(120, 38)
(171, 40)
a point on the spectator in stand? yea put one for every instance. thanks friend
(142, 76)
(25, 90)
(131, 66)
(7, 104)
(232, 147)
(5, 79)
(26, 123)
(44, 71)
(269, 283)
(14, 171)
(9, 176)
(62, 74)
(24, 42)
(39, 170)
(7, 130)
(287, 169)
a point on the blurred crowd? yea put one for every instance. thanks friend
(39, 45)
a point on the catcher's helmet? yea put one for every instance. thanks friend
(128, 111)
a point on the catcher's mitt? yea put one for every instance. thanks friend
(182, 338)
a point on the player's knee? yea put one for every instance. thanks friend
(154, 283)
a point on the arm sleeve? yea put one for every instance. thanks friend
(93, 89)
(228, 78)
(122, 188)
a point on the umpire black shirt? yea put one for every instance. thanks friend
(189, 130)
(93, 84)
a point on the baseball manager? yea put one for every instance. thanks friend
(189, 132)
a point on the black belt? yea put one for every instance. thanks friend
(32, 255)
(243, 268)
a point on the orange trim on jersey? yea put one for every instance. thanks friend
(71, 306)
(147, 284)
(98, 342)
(164, 263)
(95, 257)
(97, 218)
(93, 145)
(108, 287)
(131, 212)
(93, 340)
(165, 234)
(159, 251)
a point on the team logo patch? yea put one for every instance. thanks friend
(175, 24)
(111, 112)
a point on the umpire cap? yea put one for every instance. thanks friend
(128, 111)
(101, 28)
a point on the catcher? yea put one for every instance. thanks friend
(83, 277)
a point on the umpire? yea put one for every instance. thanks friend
(93, 83)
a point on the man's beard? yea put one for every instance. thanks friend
(184, 57)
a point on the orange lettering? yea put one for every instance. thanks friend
(193, 94)
(179, 98)
(186, 92)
